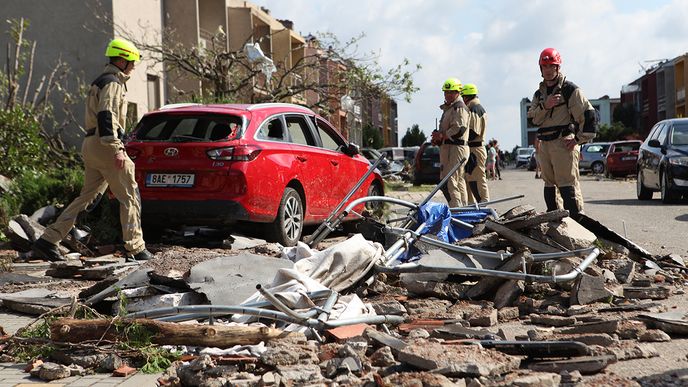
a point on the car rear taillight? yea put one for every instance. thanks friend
(235, 153)
(133, 153)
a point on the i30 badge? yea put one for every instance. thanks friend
(171, 152)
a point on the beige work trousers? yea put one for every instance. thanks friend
(99, 172)
(478, 175)
(559, 166)
(456, 185)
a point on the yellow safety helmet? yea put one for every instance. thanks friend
(452, 84)
(469, 89)
(121, 48)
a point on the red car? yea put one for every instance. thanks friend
(621, 158)
(216, 165)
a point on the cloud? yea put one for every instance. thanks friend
(496, 45)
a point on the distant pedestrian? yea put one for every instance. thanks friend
(491, 161)
(453, 137)
(536, 144)
(105, 161)
(565, 119)
(476, 179)
(498, 161)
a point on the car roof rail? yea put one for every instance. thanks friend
(278, 104)
(178, 105)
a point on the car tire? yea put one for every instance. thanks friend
(374, 190)
(668, 195)
(597, 168)
(288, 226)
(642, 192)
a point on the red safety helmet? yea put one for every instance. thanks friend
(550, 56)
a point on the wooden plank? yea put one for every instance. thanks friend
(530, 221)
(519, 238)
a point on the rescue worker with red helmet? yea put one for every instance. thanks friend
(105, 160)
(476, 179)
(453, 138)
(565, 119)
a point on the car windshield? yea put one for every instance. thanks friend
(188, 128)
(525, 151)
(679, 136)
(596, 148)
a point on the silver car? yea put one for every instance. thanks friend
(592, 157)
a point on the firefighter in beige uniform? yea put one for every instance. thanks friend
(105, 160)
(453, 136)
(565, 119)
(476, 179)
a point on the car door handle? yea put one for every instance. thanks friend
(302, 159)
(334, 162)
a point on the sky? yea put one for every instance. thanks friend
(604, 44)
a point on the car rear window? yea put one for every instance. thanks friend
(186, 128)
(627, 147)
(431, 151)
(679, 135)
(596, 148)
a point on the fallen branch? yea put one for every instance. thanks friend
(164, 333)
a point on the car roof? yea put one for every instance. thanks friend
(625, 142)
(673, 120)
(232, 108)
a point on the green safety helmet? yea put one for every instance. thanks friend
(469, 89)
(451, 84)
(121, 48)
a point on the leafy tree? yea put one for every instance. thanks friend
(625, 114)
(372, 138)
(615, 132)
(413, 137)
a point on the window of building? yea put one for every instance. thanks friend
(153, 92)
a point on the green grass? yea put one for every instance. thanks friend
(407, 187)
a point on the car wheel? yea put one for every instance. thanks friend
(668, 195)
(642, 192)
(287, 227)
(597, 168)
(374, 190)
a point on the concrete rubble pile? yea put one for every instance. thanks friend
(527, 299)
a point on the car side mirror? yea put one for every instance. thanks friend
(654, 143)
(352, 150)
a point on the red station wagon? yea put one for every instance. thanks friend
(622, 157)
(215, 165)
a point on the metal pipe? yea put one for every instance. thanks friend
(282, 307)
(485, 204)
(443, 182)
(327, 308)
(415, 268)
(325, 228)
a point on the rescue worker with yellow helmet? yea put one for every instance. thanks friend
(475, 179)
(105, 160)
(453, 139)
(565, 119)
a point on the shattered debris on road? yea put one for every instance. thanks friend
(428, 295)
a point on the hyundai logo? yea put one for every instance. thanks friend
(171, 152)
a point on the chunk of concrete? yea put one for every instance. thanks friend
(570, 234)
(585, 365)
(162, 301)
(655, 336)
(231, 280)
(393, 307)
(508, 293)
(642, 293)
(551, 320)
(609, 327)
(457, 360)
(589, 289)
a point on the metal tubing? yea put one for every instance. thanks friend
(325, 227)
(327, 308)
(282, 307)
(485, 204)
(443, 182)
(401, 245)
(415, 268)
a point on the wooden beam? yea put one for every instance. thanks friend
(164, 333)
(530, 221)
(519, 238)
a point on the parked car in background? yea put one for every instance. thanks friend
(663, 161)
(592, 157)
(216, 165)
(426, 167)
(386, 166)
(523, 156)
(621, 158)
(400, 154)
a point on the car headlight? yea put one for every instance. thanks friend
(679, 161)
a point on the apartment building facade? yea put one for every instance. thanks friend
(68, 29)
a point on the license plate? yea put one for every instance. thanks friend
(170, 180)
(628, 158)
(436, 165)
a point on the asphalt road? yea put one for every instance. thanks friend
(659, 228)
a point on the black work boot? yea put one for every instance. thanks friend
(568, 195)
(143, 255)
(44, 249)
(474, 190)
(550, 194)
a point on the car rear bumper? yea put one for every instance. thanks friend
(193, 213)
